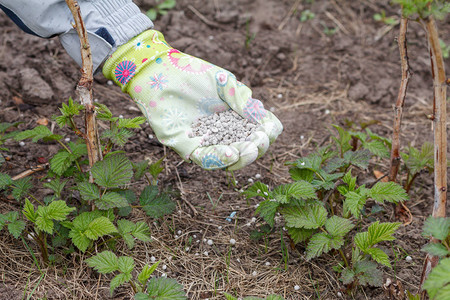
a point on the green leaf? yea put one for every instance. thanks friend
(141, 231)
(300, 234)
(257, 189)
(118, 281)
(88, 191)
(382, 232)
(111, 200)
(267, 210)
(301, 174)
(151, 14)
(60, 162)
(322, 243)
(229, 297)
(5, 180)
(354, 203)
(104, 262)
(378, 148)
(388, 191)
(167, 4)
(56, 185)
(301, 190)
(16, 227)
(37, 133)
(437, 283)
(80, 240)
(113, 171)
(140, 169)
(362, 240)
(165, 288)
(131, 123)
(309, 217)
(379, 256)
(99, 227)
(436, 249)
(156, 205)
(125, 264)
(359, 158)
(21, 187)
(156, 168)
(29, 212)
(117, 136)
(367, 273)
(349, 180)
(146, 272)
(417, 160)
(343, 140)
(438, 228)
(103, 112)
(337, 226)
(56, 210)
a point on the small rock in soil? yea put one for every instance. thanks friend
(34, 89)
(222, 128)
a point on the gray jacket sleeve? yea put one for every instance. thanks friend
(110, 23)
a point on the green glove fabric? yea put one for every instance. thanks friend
(174, 89)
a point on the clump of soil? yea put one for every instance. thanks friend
(222, 128)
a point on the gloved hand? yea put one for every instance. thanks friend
(174, 89)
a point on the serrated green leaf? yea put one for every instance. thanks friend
(337, 226)
(379, 256)
(140, 169)
(60, 162)
(362, 241)
(103, 112)
(347, 276)
(377, 148)
(79, 239)
(257, 189)
(156, 168)
(301, 190)
(359, 158)
(111, 200)
(5, 180)
(125, 264)
(104, 262)
(141, 231)
(388, 191)
(438, 228)
(436, 249)
(156, 205)
(88, 191)
(309, 217)
(417, 160)
(42, 223)
(117, 136)
(379, 232)
(354, 203)
(334, 164)
(113, 171)
(165, 288)
(37, 133)
(146, 272)
(99, 227)
(78, 150)
(300, 234)
(229, 297)
(131, 123)
(343, 140)
(56, 185)
(322, 243)
(21, 187)
(438, 280)
(349, 180)
(368, 274)
(125, 226)
(118, 281)
(57, 210)
(16, 227)
(29, 212)
(301, 174)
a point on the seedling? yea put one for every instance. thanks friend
(162, 8)
(307, 15)
(381, 17)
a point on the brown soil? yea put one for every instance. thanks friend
(309, 78)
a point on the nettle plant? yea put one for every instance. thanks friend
(324, 204)
(86, 210)
(438, 282)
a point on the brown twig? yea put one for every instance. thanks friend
(85, 84)
(440, 132)
(30, 171)
(400, 103)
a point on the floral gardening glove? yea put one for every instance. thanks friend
(174, 89)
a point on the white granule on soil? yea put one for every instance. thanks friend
(222, 128)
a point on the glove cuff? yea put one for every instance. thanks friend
(132, 57)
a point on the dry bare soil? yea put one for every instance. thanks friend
(340, 66)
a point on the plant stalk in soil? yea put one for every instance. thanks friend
(85, 84)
